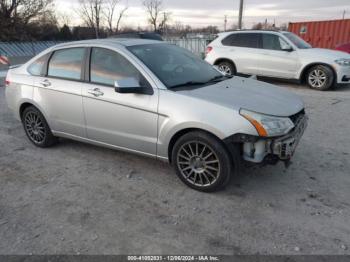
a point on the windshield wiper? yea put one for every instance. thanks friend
(189, 83)
(195, 83)
(219, 78)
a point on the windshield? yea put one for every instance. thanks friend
(296, 40)
(175, 66)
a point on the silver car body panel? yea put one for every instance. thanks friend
(143, 124)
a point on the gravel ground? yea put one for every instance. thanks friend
(81, 199)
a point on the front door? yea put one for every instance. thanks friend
(277, 60)
(126, 121)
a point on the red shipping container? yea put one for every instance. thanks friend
(323, 34)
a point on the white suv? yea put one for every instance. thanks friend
(278, 54)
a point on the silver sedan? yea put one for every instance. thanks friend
(158, 100)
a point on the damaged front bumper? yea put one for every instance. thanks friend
(271, 150)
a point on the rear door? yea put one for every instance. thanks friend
(127, 121)
(278, 60)
(243, 50)
(58, 90)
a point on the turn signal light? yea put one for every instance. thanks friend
(259, 128)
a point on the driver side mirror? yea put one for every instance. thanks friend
(288, 49)
(131, 86)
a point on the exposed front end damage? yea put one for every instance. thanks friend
(270, 150)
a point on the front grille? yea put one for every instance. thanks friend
(297, 116)
(283, 150)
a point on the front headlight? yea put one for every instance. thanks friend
(267, 125)
(343, 62)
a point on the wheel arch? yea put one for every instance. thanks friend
(219, 60)
(306, 68)
(23, 106)
(26, 103)
(181, 133)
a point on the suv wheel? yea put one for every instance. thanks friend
(202, 162)
(227, 68)
(320, 77)
(36, 128)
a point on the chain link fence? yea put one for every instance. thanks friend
(20, 52)
(195, 45)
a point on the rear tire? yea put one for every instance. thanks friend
(227, 68)
(36, 128)
(320, 77)
(202, 161)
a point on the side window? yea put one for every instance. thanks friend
(107, 66)
(229, 40)
(272, 42)
(67, 63)
(249, 40)
(284, 44)
(36, 68)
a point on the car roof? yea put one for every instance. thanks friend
(138, 35)
(251, 31)
(110, 42)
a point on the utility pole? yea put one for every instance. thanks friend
(165, 29)
(225, 23)
(240, 14)
(344, 12)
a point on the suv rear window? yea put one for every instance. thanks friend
(67, 63)
(250, 40)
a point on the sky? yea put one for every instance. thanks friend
(199, 13)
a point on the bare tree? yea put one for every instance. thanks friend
(153, 9)
(16, 15)
(91, 13)
(178, 26)
(23, 9)
(109, 12)
(257, 26)
(63, 19)
(120, 16)
(163, 25)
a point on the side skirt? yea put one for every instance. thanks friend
(97, 143)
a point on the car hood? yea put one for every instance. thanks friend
(257, 96)
(322, 53)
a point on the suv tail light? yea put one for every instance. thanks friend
(7, 80)
(208, 50)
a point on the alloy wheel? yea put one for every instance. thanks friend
(317, 78)
(198, 163)
(225, 69)
(35, 127)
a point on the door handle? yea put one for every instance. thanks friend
(95, 92)
(45, 83)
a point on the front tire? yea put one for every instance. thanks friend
(202, 161)
(36, 128)
(320, 77)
